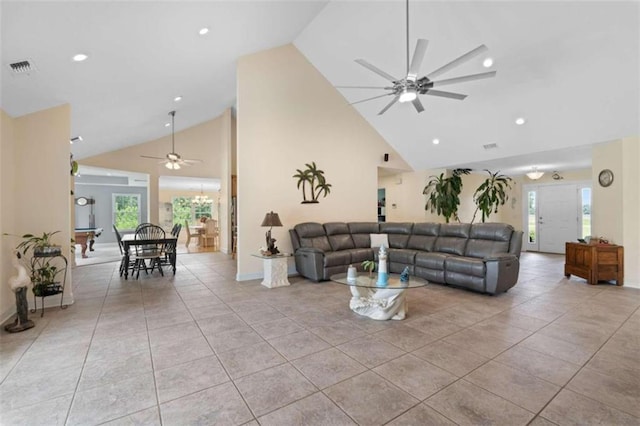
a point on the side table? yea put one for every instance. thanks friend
(275, 270)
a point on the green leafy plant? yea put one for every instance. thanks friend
(369, 265)
(491, 194)
(316, 180)
(443, 194)
(43, 272)
(35, 243)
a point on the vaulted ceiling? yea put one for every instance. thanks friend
(569, 68)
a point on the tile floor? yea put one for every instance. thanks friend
(200, 348)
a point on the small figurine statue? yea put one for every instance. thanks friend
(18, 284)
(383, 275)
(271, 244)
(404, 276)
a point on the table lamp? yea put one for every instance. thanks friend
(271, 219)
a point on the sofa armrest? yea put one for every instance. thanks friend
(309, 262)
(501, 272)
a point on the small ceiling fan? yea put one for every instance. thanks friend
(408, 88)
(173, 160)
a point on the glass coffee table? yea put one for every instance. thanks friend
(377, 302)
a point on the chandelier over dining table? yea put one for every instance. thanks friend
(201, 200)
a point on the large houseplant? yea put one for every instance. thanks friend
(443, 194)
(491, 194)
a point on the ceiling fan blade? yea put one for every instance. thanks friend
(458, 61)
(417, 104)
(445, 94)
(465, 78)
(393, 101)
(362, 87)
(369, 99)
(191, 161)
(155, 158)
(418, 56)
(376, 70)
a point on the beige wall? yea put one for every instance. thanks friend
(288, 115)
(35, 187)
(616, 209)
(8, 211)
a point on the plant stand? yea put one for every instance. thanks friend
(38, 261)
(22, 321)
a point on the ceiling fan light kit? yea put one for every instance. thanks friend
(173, 160)
(408, 88)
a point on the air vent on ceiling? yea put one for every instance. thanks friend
(490, 146)
(25, 67)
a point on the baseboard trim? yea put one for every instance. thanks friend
(291, 271)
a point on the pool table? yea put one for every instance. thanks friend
(84, 235)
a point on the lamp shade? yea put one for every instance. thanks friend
(271, 219)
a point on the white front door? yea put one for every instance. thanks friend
(554, 214)
(557, 217)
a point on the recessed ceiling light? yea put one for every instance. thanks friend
(520, 121)
(177, 99)
(203, 31)
(167, 124)
(80, 57)
(435, 141)
(487, 62)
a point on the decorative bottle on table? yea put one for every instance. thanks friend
(383, 275)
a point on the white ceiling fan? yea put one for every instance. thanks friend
(408, 88)
(173, 160)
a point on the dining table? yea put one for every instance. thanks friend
(129, 240)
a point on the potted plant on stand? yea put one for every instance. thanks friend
(44, 273)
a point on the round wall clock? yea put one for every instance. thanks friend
(605, 178)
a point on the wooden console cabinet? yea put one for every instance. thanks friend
(595, 262)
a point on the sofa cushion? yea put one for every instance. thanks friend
(312, 235)
(341, 242)
(336, 228)
(423, 236)
(378, 240)
(359, 255)
(360, 232)
(431, 260)
(337, 258)
(398, 233)
(487, 239)
(465, 265)
(339, 236)
(452, 238)
(402, 256)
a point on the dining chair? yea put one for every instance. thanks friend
(121, 247)
(152, 252)
(189, 233)
(210, 233)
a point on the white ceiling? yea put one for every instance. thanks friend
(571, 68)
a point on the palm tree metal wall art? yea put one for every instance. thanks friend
(316, 180)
